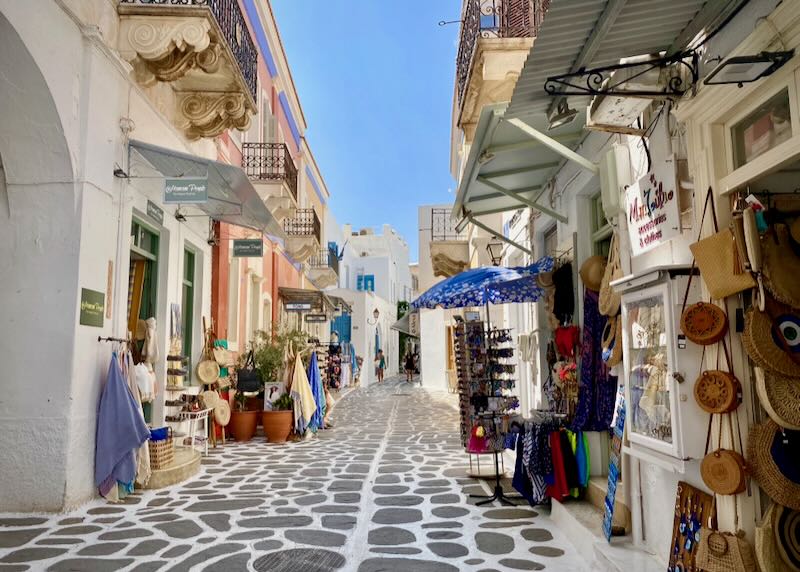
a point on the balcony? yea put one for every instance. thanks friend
(449, 248)
(496, 36)
(323, 268)
(202, 49)
(303, 234)
(272, 170)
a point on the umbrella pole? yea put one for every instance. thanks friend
(498, 494)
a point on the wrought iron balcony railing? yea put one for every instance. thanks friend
(234, 30)
(304, 223)
(325, 258)
(270, 162)
(494, 19)
(443, 227)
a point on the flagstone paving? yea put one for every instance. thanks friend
(384, 491)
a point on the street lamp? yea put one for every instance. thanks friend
(495, 250)
(745, 69)
(376, 314)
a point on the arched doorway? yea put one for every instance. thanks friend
(40, 227)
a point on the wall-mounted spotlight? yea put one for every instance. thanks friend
(746, 69)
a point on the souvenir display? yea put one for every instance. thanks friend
(716, 390)
(778, 539)
(781, 266)
(693, 519)
(772, 338)
(609, 301)
(724, 471)
(704, 323)
(773, 457)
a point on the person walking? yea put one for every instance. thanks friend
(409, 366)
(380, 365)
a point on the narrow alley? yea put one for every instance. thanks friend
(385, 490)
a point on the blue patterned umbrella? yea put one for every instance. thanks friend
(491, 284)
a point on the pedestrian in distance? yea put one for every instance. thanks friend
(409, 366)
(380, 365)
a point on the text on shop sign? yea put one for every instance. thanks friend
(652, 208)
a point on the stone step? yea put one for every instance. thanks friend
(596, 494)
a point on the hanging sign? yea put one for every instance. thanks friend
(413, 324)
(248, 247)
(186, 191)
(316, 318)
(92, 308)
(651, 204)
(155, 212)
(297, 306)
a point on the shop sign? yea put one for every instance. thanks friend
(316, 318)
(186, 191)
(413, 324)
(297, 306)
(652, 208)
(248, 247)
(155, 212)
(92, 308)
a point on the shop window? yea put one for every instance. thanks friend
(601, 229)
(769, 125)
(187, 304)
(233, 301)
(143, 276)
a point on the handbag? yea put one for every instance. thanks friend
(716, 390)
(248, 378)
(718, 259)
(609, 301)
(724, 471)
(725, 551)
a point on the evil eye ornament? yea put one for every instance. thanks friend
(788, 326)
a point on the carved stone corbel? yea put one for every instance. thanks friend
(207, 114)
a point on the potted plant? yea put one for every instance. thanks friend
(244, 419)
(278, 422)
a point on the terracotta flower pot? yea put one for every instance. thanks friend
(277, 425)
(243, 424)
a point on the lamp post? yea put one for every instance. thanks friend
(376, 314)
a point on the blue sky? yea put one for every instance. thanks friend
(375, 78)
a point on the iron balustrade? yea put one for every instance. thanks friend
(304, 223)
(270, 162)
(234, 31)
(325, 258)
(443, 227)
(494, 19)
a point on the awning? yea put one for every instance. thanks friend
(231, 196)
(341, 303)
(315, 299)
(514, 156)
(408, 324)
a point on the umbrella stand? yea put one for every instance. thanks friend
(498, 494)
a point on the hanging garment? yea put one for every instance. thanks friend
(304, 404)
(564, 298)
(315, 380)
(598, 389)
(567, 338)
(150, 349)
(582, 456)
(120, 431)
(145, 381)
(143, 470)
(568, 446)
(521, 482)
(558, 488)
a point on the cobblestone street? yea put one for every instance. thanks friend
(383, 491)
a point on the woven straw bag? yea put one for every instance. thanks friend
(609, 301)
(717, 390)
(724, 471)
(725, 552)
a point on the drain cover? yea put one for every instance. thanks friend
(300, 560)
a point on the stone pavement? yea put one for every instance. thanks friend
(384, 491)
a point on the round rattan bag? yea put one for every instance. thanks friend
(724, 472)
(717, 391)
(704, 323)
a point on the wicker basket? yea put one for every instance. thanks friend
(162, 453)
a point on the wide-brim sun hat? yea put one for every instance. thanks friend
(781, 266)
(222, 413)
(773, 457)
(766, 547)
(592, 271)
(780, 398)
(210, 399)
(761, 344)
(208, 371)
(786, 527)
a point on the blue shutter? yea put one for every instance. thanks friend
(342, 325)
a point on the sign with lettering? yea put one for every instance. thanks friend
(92, 308)
(651, 204)
(297, 306)
(413, 324)
(248, 247)
(188, 190)
(316, 318)
(155, 212)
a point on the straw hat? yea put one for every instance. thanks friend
(780, 397)
(762, 346)
(773, 460)
(222, 413)
(545, 280)
(778, 539)
(592, 271)
(781, 266)
(208, 371)
(766, 548)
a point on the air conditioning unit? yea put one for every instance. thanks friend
(615, 176)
